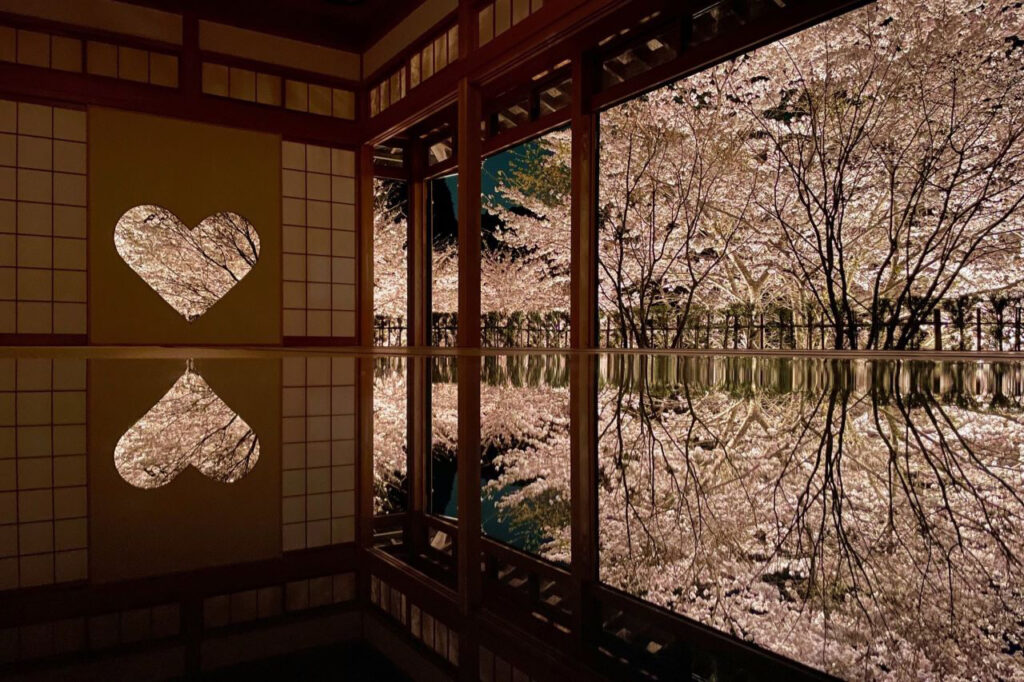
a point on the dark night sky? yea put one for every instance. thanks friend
(445, 195)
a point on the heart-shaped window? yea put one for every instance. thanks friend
(189, 426)
(193, 268)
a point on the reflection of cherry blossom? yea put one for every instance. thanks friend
(862, 517)
(189, 426)
(524, 436)
(851, 517)
(389, 435)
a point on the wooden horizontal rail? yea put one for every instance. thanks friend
(744, 38)
(525, 132)
(515, 557)
(434, 597)
(761, 663)
(57, 602)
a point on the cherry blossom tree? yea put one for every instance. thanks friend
(893, 137)
(529, 270)
(189, 267)
(390, 250)
(863, 173)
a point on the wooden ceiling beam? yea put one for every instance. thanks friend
(348, 26)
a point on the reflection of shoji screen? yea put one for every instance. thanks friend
(318, 456)
(42, 219)
(436, 635)
(92, 633)
(494, 668)
(274, 600)
(319, 239)
(43, 521)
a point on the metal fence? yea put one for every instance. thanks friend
(512, 331)
(983, 327)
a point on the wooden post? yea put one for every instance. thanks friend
(937, 322)
(469, 160)
(1017, 328)
(418, 333)
(418, 446)
(583, 269)
(978, 328)
(364, 461)
(583, 479)
(999, 329)
(468, 337)
(468, 477)
(364, 322)
(190, 65)
(364, 466)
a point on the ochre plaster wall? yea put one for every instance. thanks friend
(193, 170)
(192, 522)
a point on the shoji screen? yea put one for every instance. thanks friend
(42, 219)
(318, 218)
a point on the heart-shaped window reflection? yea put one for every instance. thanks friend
(193, 268)
(189, 426)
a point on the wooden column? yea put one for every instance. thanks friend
(469, 27)
(583, 270)
(418, 369)
(364, 206)
(468, 154)
(468, 559)
(468, 476)
(583, 335)
(364, 460)
(418, 444)
(190, 68)
(364, 471)
(583, 481)
(418, 311)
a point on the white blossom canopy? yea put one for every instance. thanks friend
(193, 268)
